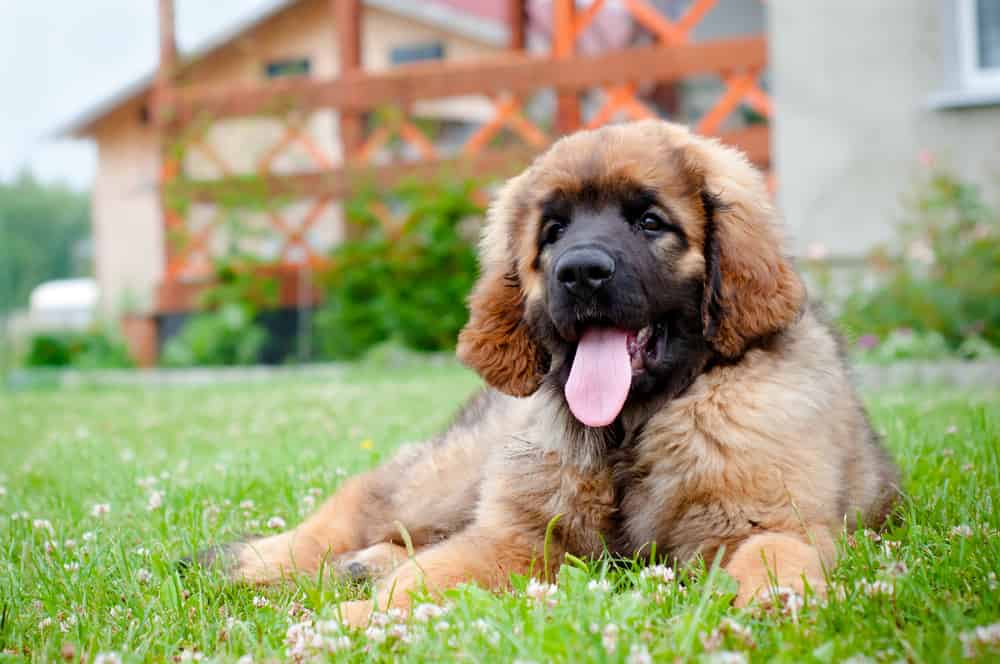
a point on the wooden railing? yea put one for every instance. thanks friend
(184, 112)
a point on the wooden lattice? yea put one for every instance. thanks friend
(506, 82)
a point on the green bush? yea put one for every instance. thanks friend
(405, 283)
(228, 333)
(225, 337)
(93, 349)
(945, 278)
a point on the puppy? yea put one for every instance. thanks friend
(655, 375)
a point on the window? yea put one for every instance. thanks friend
(401, 55)
(979, 44)
(971, 54)
(287, 67)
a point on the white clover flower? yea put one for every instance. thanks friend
(375, 634)
(872, 535)
(147, 482)
(342, 642)
(738, 631)
(876, 588)
(69, 544)
(609, 637)
(601, 586)
(492, 636)
(155, 501)
(44, 624)
(442, 626)
(276, 523)
(427, 612)
(661, 573)
(67, 623)
(962, 530)
(100, 509)
(639, 654)
(260, 601)
(783, 599)
(3, 491)
(896, 568)
(246, 504)
(107, 658)
(400, 632)
(981, 639)
(726, 657)
(88, 536)
(143, 575)
(42, 524)
(72, 566)
(543, 593)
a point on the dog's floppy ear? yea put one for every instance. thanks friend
(751, 288)
(497, 342)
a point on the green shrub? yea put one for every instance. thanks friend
(93, 349)
(405, 283)
(225, 337)
(228, 333)
(944, 279)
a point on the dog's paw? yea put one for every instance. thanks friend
(223, 557)
(371, 563)
(356, 613)
(788, 597)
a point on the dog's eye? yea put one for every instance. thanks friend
(650, 222)
(552, 230)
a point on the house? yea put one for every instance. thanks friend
(858, 93)
(865, 91)
(295, 38)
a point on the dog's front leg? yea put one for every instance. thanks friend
(477, 555)
(784, 559)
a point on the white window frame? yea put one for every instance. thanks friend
(973, 77)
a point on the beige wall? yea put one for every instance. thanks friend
(129, 236)
(853, 83)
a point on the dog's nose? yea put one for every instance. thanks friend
(584, 271)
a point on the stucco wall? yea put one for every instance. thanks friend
(128, 238)
(852, 82)
(129, 234)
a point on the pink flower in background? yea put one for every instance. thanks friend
(867, 341)
(816, 251)
(926, 158)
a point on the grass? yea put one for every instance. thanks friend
(77, 579)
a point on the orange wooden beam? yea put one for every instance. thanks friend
(516, 74)
(347, 20)
(563, 47)
(517, 14)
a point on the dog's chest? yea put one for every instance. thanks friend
(631, 502)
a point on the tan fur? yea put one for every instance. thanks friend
(766, 457)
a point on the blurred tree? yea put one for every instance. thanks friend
(44, 234)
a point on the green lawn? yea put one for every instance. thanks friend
(102, 489)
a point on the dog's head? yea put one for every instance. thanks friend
(620, 261)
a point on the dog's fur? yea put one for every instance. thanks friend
(748, 439)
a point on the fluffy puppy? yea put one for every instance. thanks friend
(656, 378)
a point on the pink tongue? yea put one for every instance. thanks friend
(600, 377)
